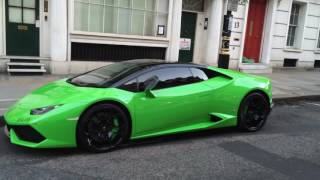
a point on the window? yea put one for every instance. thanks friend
(104, 76)
(296, 25)
(131, 86)
(198, 75)
(293, 25)
(130, 17)
(22, 11)
(168, 77)
(290, 62)
(318, 44)
(317, 64)
(193, 5)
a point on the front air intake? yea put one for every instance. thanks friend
(27, 133)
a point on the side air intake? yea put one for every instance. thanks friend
(214, 118)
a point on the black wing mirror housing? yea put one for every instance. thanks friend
(150, 84)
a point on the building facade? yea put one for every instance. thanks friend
(74, 36)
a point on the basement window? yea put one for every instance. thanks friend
(317, 64)
(290, 62)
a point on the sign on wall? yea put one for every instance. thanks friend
(185, 44)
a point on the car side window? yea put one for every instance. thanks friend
(131, 86)
(168, 77)
(198, 75)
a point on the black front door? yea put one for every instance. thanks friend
(188, 31)
(22, 35)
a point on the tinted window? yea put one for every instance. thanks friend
(198, 75)
(168, 77)
(105, 76)
(130, 86)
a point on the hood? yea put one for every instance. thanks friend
(54, 93)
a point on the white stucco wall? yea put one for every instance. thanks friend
(2, 28)
(237, 35)
(308, 51)
(44, 31)
(215, 21)
(58, 30)
(174, 35)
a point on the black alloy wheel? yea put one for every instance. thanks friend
(102, 128)
(253, 112)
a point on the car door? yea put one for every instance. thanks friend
(178, 101)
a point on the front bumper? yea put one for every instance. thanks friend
(2, 122)
(45, 131)
(6, 131)
(271, 107)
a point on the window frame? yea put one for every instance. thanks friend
(22, 8)
(155, 36)
(318, 40)
(160, 68)
(295, 26)
(138, 74)
(299, 28)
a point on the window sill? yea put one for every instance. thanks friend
(293, 50)
(122, 36)
(317, 51)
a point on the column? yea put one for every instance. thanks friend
(2, 27)
(174, 44)
(58, 25)
(215, 23)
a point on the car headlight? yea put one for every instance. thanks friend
(43, 110)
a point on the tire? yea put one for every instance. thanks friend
(102, 128)
(253, 112)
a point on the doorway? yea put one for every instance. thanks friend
(22, 33)
(254, 31)
(188, 31)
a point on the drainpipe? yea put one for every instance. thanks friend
(224, 56)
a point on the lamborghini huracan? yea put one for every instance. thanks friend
(101, 109)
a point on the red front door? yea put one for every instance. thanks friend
(255, 22)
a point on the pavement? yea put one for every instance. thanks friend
(293, 84)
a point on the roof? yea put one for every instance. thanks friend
(155, 62)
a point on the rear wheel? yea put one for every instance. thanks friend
(102, 128)
(253, 112)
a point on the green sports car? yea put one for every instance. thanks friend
(101, 109)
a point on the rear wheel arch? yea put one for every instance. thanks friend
(116, 103)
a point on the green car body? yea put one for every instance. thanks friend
(167, 111)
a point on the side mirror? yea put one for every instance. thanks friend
(150, 84)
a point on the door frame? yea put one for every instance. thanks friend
(198, 37)
(3, 22)
(195, 43)
(266, 40)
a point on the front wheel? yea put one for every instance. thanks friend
(102, 128)
(253, 112)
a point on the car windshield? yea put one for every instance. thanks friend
(104, 76)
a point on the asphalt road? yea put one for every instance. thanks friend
(287, 148)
